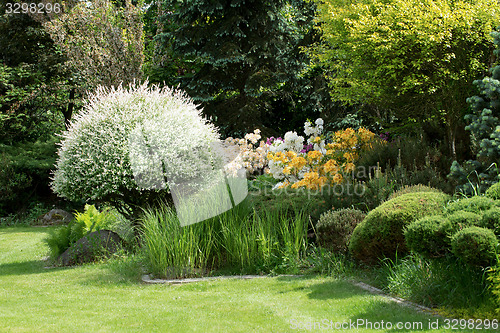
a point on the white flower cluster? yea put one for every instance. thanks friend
(128, 133)
(251, 155)
(315, 132)
(295, 143)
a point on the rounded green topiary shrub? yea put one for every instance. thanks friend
(493, 192)
(413, 189)
(129, 135)
(381, 232)
(335, 227)
(475, 246)
(459, 220)
(426, 237)
(475, 204)
(491, 220)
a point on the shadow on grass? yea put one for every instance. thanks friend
(25, 268)
(25, 229)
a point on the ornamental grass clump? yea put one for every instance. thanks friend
(127, 141)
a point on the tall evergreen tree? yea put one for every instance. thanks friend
(245, 49)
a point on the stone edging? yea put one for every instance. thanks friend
(147, 278)
(420, 308)
(401, 301)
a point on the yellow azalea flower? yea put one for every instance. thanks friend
(311, 177)
(299, 162)
(287, 170)
(337, 178)
(349, 156)
(349, 167)
(331, 166)
(291, 154)
(270, 156)
(317, 139)
(314, 154)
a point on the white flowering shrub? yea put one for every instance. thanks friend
(98, 162)
(251, 154)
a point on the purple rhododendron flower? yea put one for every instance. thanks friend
(307, 148)
(272, 139)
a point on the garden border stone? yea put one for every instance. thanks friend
(403, 302)
(146, 278)
(149, 280)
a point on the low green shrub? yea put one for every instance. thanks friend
(381, 232)
(491, 220)
(475, 246)
(475, 204)
(426, 237)
(493, 192)
(459, 220)
(335, 227)
(413, 189)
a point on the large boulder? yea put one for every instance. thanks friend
(91, 247)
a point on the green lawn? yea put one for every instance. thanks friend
(108, 297)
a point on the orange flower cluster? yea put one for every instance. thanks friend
(329, 166)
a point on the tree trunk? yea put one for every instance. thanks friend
(71, 105)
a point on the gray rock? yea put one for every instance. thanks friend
(56, 216)
(91, 247)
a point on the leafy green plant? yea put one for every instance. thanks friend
(439, 282)
(475, 246)
(323, 261)
(92, 220)
(335, 227)
(381, 232)
(60, 239)
(494, 279)
(376, 190)
(174, 251)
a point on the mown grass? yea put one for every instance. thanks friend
(107, 297)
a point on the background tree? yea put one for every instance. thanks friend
(484, 127)
(246, 51)
(103, 43)
(415, 58)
